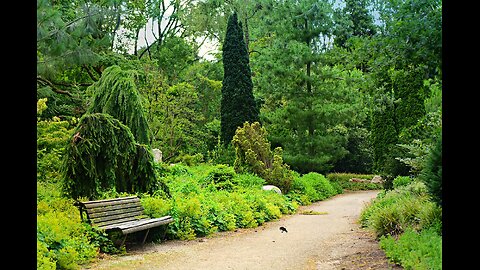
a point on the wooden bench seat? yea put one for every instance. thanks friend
(125, 215)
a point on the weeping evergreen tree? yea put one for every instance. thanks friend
(109, 149)
(102, 155)
(116, 94)
(237, 103)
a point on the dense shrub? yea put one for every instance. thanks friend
(408, 224)
(254, 155)
(312, 187)
(342, 180)
(401, 181)
(103, 155)
(405, 207)
(62, 241)
(221, 177)
(207, 198)
(52, 136)
(414, 250)
(248, 180)
(432, 172)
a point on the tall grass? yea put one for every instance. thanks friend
(408, 224)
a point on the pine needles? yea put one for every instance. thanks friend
(102, 155)
(116, 94)
(109, 149)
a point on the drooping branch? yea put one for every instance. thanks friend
(89, 72)
(53, 87)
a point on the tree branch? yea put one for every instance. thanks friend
(54, 88)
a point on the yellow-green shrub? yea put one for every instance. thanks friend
(61, 236)
(311, 187)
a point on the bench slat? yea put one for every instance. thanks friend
(146, 226)
(113, 211)
(110, 202)
(113, 218)
(138, 225)
(117, 221)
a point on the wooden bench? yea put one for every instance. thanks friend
(124, 215)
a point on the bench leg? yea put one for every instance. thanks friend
(123, 241)
(145, 237)
(164, 233)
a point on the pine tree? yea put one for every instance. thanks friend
(238, 103)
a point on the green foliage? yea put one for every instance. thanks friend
(413, 250)
(401, 181)
(221, 177)
(199, 207)
(61, 237)
(312, 187)
(250, 181)
(392, 212)
(253, 155)
(341, 181)
(102, 155)
(41, 105)
(384, 134)
(222, 154)
(116, 94)
(360, 152)
(431, 175)
(177, 131)
(409, 91)
(237, 104)
(353, 20)
(52, 136)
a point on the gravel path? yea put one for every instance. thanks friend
(332, 240)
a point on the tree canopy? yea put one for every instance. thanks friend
(349, 85)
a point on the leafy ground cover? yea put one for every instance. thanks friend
(408, 224)
(205, 199)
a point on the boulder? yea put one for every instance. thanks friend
(377, 179)
(272, 187)
(157, 155)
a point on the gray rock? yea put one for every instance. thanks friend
(377, 179)
(157, 155)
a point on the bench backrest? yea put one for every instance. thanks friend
(112, 211)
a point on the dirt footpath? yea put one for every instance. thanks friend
(331, 240)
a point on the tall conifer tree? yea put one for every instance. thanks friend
(237, 103)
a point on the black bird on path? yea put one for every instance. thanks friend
(283, 229)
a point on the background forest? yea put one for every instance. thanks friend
(341, 86)
(336, 86)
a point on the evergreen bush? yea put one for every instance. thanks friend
(102, 155)
(431, 174)
(253, 155)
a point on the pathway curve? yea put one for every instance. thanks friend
(333, 240)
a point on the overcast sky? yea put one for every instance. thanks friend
(208, 48)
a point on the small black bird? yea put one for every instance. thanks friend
(283, 229)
